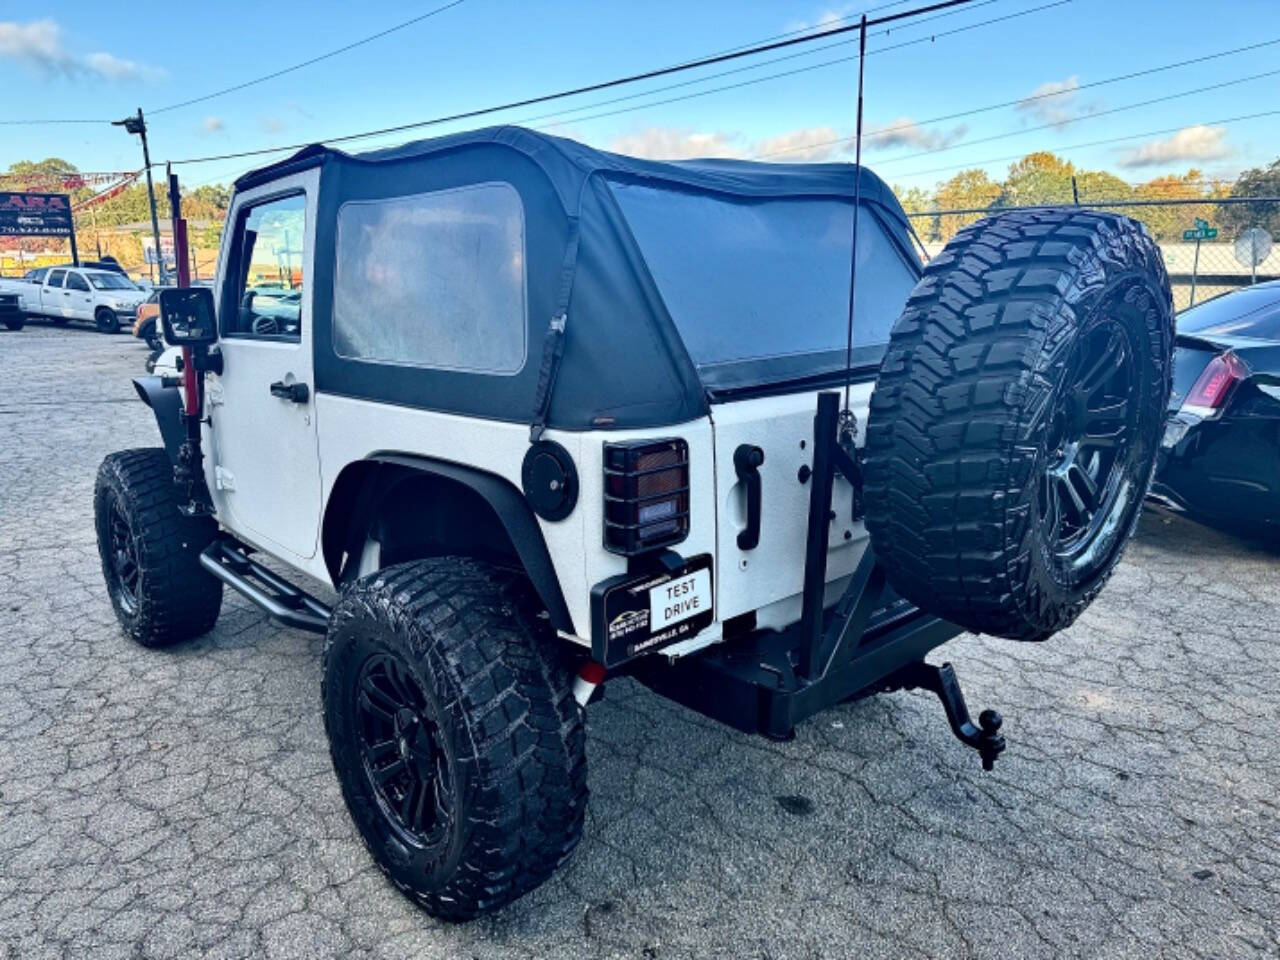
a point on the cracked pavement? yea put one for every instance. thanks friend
(180, 802)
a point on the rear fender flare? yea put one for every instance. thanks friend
(354, 500)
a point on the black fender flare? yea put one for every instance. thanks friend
(504, 498)
(166, 403)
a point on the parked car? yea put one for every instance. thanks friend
(11, 313)
(147, 325)
(1220, 458)
(541, 414)
(104, 297)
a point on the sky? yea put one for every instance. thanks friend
(68, 60)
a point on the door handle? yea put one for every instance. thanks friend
(746, 463)
(293, 392)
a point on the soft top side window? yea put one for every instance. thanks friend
(263, 297)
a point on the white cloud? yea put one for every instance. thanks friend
(664, 143)
(271, 124)
(1054, 102)
(905, 132)
(114, 68)
(1198, 143)
(213, 125)
(828, 18)
(39, 44)
(812, 145)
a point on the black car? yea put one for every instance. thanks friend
(1220, 459)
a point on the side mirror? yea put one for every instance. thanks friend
(188, 317)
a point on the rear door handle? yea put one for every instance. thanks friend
(746, 463)
(293, 392)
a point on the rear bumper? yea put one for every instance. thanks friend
(753, 684)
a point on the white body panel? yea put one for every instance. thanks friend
(783, 428)
(264, 471)
(352, 430)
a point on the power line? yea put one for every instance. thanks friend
(1030, 99)
(602, 85)
(1090, 116)
(785, 73)
(34, 123)
(306, 63)
(1092, 143)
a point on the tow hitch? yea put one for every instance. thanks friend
(985, 737)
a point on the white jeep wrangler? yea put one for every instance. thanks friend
(543, 415)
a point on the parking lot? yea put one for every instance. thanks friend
(181, 802)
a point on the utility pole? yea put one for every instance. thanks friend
(138, 125)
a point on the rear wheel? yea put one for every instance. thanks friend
(454, 732)
(1015, 424)
(150, 552)
(107, 320)
(16, 323)
(152, 336)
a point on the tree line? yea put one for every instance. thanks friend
(1045, 178)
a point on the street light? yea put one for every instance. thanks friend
(139, 126)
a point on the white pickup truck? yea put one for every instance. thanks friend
(63, 294)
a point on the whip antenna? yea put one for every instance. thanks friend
(857, 207)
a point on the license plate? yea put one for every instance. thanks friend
(636, 614)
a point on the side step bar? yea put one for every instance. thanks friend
(229, 561)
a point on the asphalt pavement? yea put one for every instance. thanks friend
(180, 802)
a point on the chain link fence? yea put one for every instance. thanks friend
(1232, 246)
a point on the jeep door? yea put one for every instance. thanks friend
(265, 476)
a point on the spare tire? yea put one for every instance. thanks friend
(1016, 419)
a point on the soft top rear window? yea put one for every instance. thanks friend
(759, 289)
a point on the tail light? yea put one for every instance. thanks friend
(1214, 385)
(646, 495)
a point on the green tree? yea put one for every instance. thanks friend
(1038, 178)
(916, 200)
(1258, 182)
(967, 190)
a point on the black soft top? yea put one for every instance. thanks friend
(624, 362)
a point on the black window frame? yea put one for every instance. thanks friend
(233, 280)
(66, 283)
(49, 276)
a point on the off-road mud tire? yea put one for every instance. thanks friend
(962, 414)
(498, 689)
(172, 598)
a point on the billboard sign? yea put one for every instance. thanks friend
(35, 214)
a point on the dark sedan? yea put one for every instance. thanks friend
(1221, 453)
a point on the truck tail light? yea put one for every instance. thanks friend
(646, 495)
(1214, 385)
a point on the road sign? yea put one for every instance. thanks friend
(1252, 247)
(1200, 233)
(1202, 224)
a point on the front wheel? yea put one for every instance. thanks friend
(15, 324)
(151, 552)
(454, 733)
(107, 320)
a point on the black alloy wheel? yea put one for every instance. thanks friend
(402, 751)
(1089, 467)
(123, 559)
